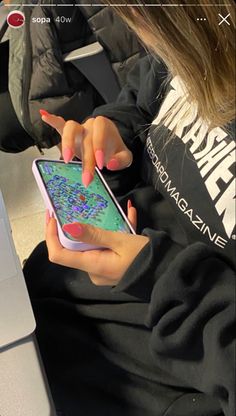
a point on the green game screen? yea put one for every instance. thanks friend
(75, 203)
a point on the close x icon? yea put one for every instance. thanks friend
(224, 19)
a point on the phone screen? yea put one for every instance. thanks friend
(73, 202)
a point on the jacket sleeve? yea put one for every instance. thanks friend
(191, 296)
(138, 102)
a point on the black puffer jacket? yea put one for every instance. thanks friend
(38, 77)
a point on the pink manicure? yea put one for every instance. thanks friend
(67, 154)
(86, 178)
(113, 164)
(99, 156)
(44, 113)
(129, 204)
(74, 229)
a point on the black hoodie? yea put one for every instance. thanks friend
(160, 343)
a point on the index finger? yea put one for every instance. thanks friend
(103, 138)
(56, 122)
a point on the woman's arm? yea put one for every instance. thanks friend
(138, 101)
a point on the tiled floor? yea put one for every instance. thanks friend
(22, 198)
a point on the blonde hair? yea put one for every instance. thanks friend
(200, 52)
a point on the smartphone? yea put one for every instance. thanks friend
(66, 197)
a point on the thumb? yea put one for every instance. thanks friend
(120, 160)
(93, 235)
(132, 214)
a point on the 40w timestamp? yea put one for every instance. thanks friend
(58, 19)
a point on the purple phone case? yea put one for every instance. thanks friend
(65, 241)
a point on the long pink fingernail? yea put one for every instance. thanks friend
(87, 178)
(44, 112)
(99, 156)
(129, 204)
(113, 164)
(48, 217)
(74, 229)
(67, 154)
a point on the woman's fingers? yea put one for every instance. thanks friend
(99, 138)
(95, 236)
(105, 266)
(88, 157)
(132, 214)
(97, 141)
(56, 122)
(94, 261)
(109, 148)
(70, 131)
(72, 137)
(104, 140)
(120, 160)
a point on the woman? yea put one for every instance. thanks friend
(147, 327)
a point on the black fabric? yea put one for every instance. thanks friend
(52, 84)
(4, 50)
(120, 44)
(59, 87)
(205, 210)
(94, 343)
(13, 138)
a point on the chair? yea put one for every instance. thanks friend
(92, 62)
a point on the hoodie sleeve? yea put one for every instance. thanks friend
(191, 296)
(138, 102)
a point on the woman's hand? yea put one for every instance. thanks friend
(105, 267)
(97, 141)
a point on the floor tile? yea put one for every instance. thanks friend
(23, 200)
(27, 232)
(18, 186)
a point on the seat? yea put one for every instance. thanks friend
(24, 389)
(90, 60)
(3, 20)
(93, 63)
